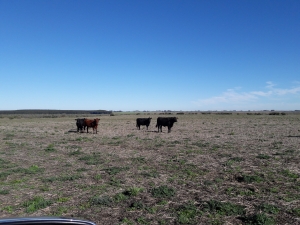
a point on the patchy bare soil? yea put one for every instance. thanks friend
(211, 169)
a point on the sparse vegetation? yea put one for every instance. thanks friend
(213, 168)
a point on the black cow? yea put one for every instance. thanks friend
(143, 122)
(165, 121)
(80, 123)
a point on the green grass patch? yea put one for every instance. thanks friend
(289, 174)
(296, 211)
(50, 148)
(223, 208)
(259, 219)
(34, 169)
(139, 160)
(133, 191)
(163, 192)
(250, 178)
(263, 156)
(115, 170)
(102, 200)
(268, 208)
(9, 136)
(93, 159)
(137, 205)
(4, 175)
(150, 174)
(187, 213)
(63, 178)
(4, 164)
(75, 153)
(120, 197)
(4, 192)
(201, 144)
(83, 139)
(36, 203)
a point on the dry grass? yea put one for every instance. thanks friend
(211, 169)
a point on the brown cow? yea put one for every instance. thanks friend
(91, 123)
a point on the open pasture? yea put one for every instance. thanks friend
(211, 169)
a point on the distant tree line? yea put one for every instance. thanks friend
(50, 111)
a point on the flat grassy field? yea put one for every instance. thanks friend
(211, 169)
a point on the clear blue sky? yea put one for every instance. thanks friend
(150, 54)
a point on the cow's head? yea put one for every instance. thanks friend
(96, 121)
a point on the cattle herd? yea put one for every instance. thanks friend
(161, 121)
(86, 123)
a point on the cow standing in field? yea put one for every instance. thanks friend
(165, 121)
(143, 122)
(80, 123)
(91, 123)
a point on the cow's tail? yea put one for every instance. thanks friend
(156, 125)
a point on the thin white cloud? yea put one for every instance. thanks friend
(229, 96)
(236, 96)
